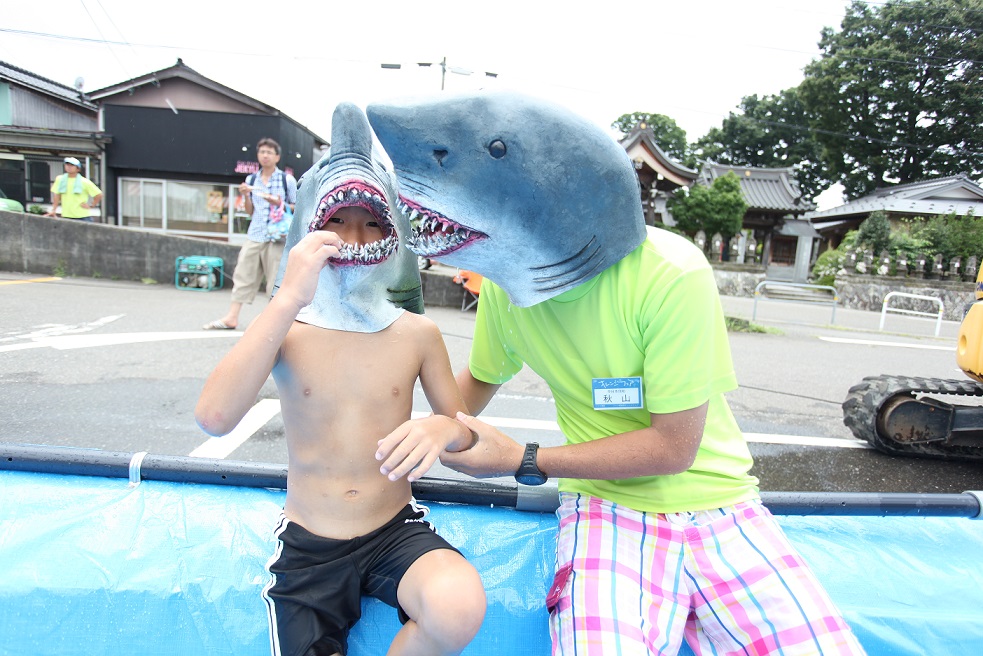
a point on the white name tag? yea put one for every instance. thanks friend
(617, 393)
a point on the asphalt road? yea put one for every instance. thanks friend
(118, 366)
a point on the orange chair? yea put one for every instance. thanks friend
(471, 282)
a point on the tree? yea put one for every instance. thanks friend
(665, 132)
(951, 236)
(717, 208)
(875, 232)
(897, 95)
(769, 132)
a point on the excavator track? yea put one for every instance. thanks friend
(865, 400)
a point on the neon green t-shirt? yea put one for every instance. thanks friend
(656, 314)
(71, 202)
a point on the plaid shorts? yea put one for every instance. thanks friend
(726, 580)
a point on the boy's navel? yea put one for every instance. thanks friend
(395, 391)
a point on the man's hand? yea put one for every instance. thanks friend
(413, 448)
(495, 454)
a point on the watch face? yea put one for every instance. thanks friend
(530, 479)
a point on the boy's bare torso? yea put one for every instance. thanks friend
(341, 392)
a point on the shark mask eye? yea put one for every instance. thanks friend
(497, 149)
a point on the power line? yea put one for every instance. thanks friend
(855, 137)
(99, 30)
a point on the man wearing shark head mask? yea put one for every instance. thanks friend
(345, 360)
(662, 534)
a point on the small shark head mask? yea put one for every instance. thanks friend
(524, 192)
(367, 286)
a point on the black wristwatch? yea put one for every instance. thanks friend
(529, 472)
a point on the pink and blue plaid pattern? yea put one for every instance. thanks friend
(727, 581)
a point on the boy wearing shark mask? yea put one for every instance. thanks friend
(662, 536)
(345, 361)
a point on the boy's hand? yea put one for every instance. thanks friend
(304, 263)
(414, 447)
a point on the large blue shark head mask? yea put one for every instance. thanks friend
(522, 191)
(367, 286)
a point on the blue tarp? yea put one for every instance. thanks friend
(99, 566)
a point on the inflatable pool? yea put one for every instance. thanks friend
(118, 553)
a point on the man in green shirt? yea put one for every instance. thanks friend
(75, 193)
(662, 535)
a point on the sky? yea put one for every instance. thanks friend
(692, 62)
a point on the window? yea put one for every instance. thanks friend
(39, 182)
(196, 208)
(12, 178)
(141, 203)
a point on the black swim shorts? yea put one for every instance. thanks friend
(316, 584)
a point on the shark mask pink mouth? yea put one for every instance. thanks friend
(365, 196)
(433, 233)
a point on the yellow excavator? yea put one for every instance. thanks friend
(921, 417)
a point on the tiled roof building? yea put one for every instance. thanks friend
(955, 194)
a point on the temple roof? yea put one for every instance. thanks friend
(955, 194)
(763, 189)
(642, 149)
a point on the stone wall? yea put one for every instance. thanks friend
(864, 292)
(868, 292)
(47, 246)
(42, 245)
(737, 279)
(30, 243)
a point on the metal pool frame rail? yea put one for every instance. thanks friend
(142, 466)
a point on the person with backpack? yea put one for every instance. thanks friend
(267, 193)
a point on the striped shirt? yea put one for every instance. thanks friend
(281, 184)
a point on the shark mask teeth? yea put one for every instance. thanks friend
(359, 195)
(433, 234)
(373, 253)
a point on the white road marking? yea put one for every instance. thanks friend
(57, 329)
(68, 342)
(509, 422)
(870, 342)
(262, 412)
(256, 418)
(802, 440)
(766, 438)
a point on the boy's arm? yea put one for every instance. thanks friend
(414, 447)
(477, 393)
(232, 387)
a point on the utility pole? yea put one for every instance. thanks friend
(443, 70)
